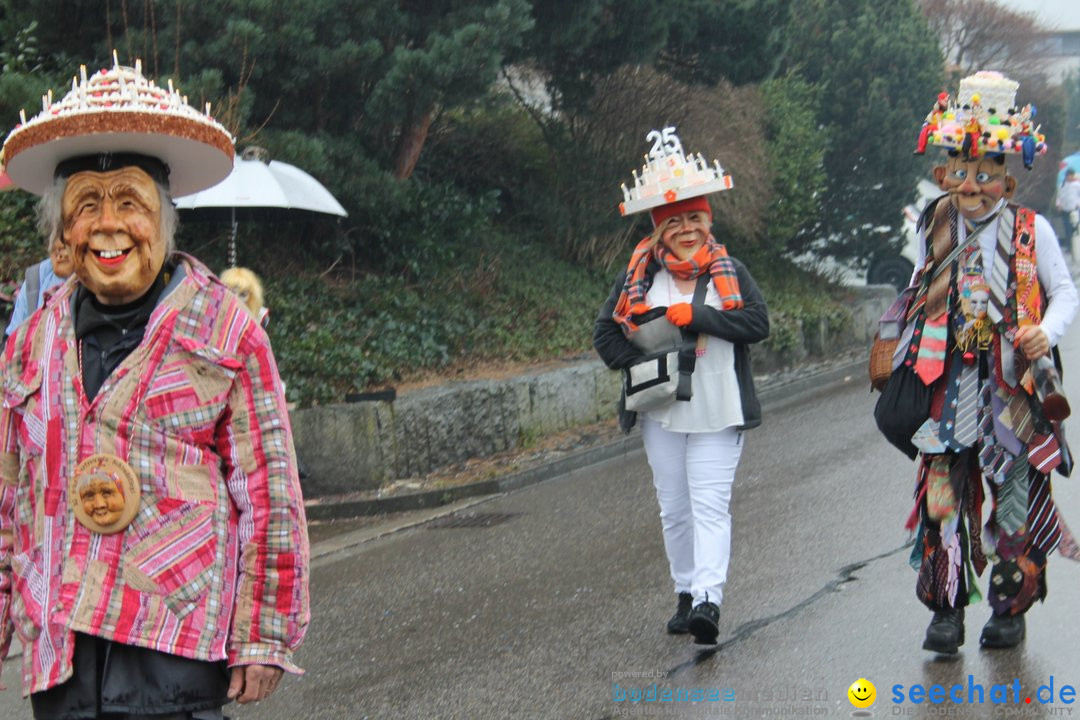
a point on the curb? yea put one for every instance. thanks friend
(771, 397)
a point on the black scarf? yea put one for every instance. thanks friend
(108, 333)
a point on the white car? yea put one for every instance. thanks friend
(896, 269)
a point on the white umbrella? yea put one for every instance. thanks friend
(258, 183)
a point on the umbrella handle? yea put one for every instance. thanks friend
(232, 240)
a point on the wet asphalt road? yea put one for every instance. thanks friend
(541, 614)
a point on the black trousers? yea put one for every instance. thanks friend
(124, 682)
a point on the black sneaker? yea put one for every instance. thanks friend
(1003, 631)
(945, 634)
(679, 622)
(703, 623)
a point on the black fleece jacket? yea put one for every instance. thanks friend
(739, 327)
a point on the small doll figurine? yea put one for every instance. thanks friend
(933, 121)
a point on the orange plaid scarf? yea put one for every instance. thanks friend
(712, 257)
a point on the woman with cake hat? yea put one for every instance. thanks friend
(993, 297)
(186, 587)
(693, 446)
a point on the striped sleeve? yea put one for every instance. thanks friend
(9, 475)
(271, 610)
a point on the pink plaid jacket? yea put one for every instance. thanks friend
(215, 564)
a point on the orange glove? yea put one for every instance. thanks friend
(680, 314)
(640, 308)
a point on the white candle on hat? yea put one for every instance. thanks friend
(115, 60)
(22, 116)
(82, 73)
(138, 66)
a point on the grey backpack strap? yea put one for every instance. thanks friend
(33, 288)
(688, 353)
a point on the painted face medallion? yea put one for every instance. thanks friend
(104, 494)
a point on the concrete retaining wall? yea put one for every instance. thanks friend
(360, 446)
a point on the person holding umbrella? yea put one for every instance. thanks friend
(146, 378)
(684, 274)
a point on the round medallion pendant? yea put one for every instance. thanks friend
(104, 494)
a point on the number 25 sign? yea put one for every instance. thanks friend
(665, 143)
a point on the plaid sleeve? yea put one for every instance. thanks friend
(271, 611)
(9, 476)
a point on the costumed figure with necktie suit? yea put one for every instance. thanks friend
(993, 298)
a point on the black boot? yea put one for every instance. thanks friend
(1003, 631)
(703, 623)
(946, 631)
(679, 624)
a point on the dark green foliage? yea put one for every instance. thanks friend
(20, 243)
(879, 70)
(739, 41)
(478, 145)
(795, 153)
(503, 301)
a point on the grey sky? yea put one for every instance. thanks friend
(1054, 14)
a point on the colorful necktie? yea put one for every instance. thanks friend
(1042, 515)
(1044, 453)
(965, 432)
(1017, 415)
(994, 460)
(998, 279)
(930, 361)
(1011, 501)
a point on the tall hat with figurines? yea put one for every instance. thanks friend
(983, 119)
(671, 181)
(117, 117)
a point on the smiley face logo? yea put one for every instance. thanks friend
(862, 693)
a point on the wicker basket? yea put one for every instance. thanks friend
(881, 357)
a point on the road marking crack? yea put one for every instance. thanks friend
(846, 574)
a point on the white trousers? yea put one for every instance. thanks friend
(693, 474)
